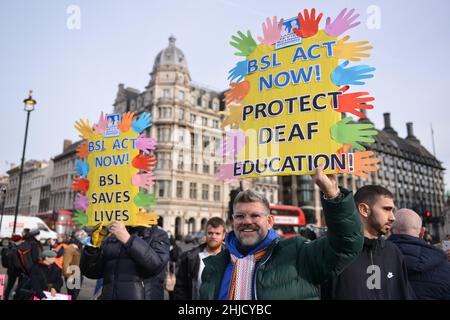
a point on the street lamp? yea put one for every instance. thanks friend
(29, 104)
(3, 190)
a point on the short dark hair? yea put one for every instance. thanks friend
(370, 194)
(251, 195)
(215, 222)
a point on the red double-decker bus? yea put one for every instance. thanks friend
(288, 220)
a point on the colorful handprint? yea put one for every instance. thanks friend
(238, 72)
(144, 122)
(351, 76)
(81, 168)
(82, 150)
(127, 120)
(143, 180)
(271, 31)
(342, 23)
(352, 51)
(245, 44)
(100, 127)
(309, 24)
(351, 102)
(237, 92)
(145, 144)
(80, 185)
(84, 128)
(145, 200)
(345, 132)
(144, 162)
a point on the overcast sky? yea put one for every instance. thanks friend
(75, 72)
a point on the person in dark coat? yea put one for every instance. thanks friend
(428, 268)
(45, 275)
(379, 272)
(131, 261)
(191, 265)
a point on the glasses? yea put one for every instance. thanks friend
(239, 217)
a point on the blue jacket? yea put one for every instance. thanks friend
(428, 268)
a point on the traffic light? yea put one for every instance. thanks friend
(428, 216)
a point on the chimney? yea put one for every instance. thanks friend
(387, 124)
(409, 129)
(67, 144)
(410, 132)
(387, 120)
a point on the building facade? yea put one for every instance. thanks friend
(186, 125)
(406, 168)
(61, 194)
(33, 178)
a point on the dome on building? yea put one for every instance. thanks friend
(170, 56)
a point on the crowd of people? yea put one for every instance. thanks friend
(370, 251)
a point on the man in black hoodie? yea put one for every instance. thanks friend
(379, 272)
(428, 268)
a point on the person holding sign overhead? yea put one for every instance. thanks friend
(258, 265)
(114, 171)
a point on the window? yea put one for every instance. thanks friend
(179, 189)
(163, 188)
(205, 191)
(163, 161)
(181, 95)
(205, 141)
(216, 193)
(216, 124)
(181, 114)
(204, 121)
(206, 167)
(193, 118)
(181, 161)
(166, 93)
(215, 105)
(193, 190)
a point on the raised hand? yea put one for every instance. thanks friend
(352, 75)
(328, 184)
(237, 92)
(234, 114)
(81, 168)
(144, 122)
(245, 44)
(81, 202)
(345, 132)
(342, 23)
(239, 72)
(144, 162)
(225, 173)
(82, 150)
(80, 218)
(146, 219)
(352, 51)
(143, 179)
(127, 120)
(80, 185)
(145, 144)
(234, 143)
(362, 162)
(84, 128)
(145, 200)
(309, 25)
(100, 127)
(350, 102)
(271, 31)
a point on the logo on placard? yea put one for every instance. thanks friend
(112, 129)
(288, 37)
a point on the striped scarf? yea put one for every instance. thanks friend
(242, 277)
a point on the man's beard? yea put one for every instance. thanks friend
(213, 245)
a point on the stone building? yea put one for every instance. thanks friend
(33, 179)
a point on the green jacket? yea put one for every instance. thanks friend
(292, 268)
